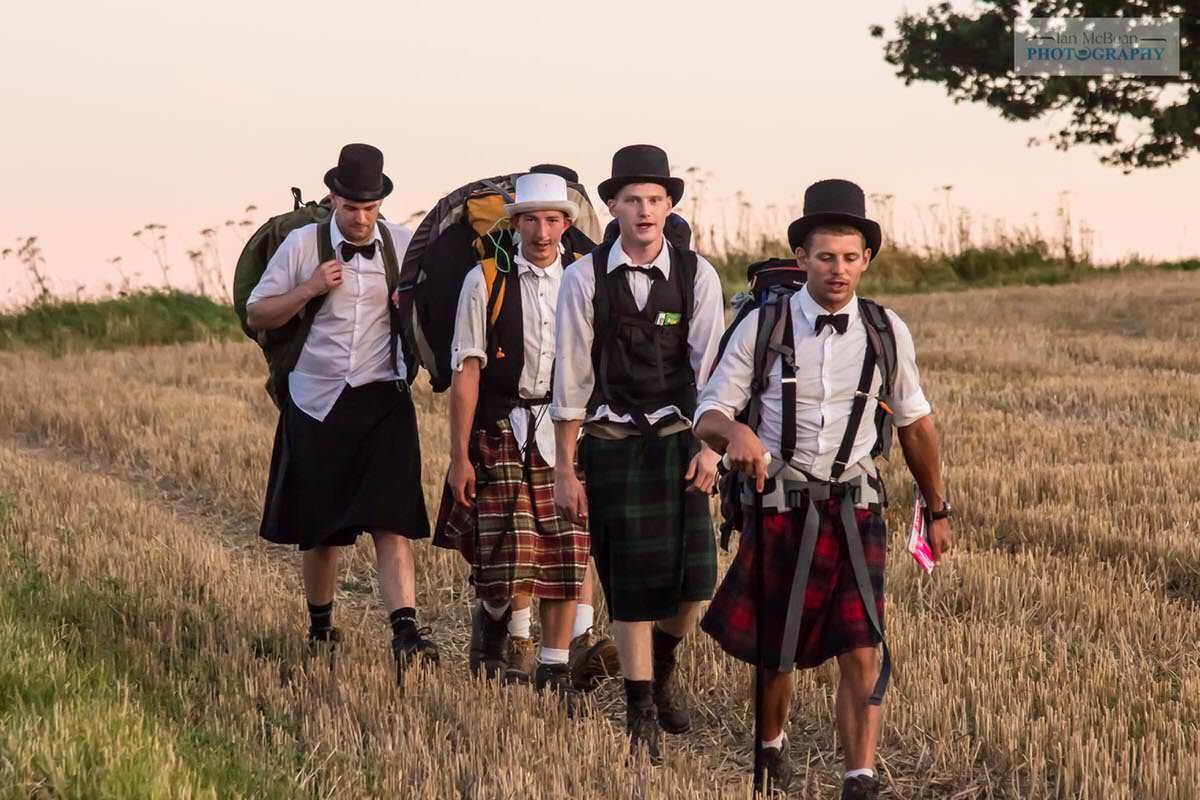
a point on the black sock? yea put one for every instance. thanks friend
(639, 694)
(664, 645)
(320, 620)
(403, 621)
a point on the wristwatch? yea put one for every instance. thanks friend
(945, 512)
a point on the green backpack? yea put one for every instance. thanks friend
(281, 347)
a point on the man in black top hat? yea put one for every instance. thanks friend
(347, 459)
(844, 371)
(639, 323)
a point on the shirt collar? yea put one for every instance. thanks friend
(555, 270)
(336, 237)
(811, 309)
(617, 257)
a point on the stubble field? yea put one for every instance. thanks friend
(150, 643)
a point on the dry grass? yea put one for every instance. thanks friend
(1054, 655)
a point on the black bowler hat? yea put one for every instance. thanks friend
(835, 202)
(359, 174)
(566, 173)
(641, 163)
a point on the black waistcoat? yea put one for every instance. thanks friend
(641, 358)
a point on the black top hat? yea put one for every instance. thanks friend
(641, 163)
(566, 173)
(359, 174)
(835, 202)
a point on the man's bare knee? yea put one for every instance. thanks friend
(860, 663)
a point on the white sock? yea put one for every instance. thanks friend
(585, 615)
(548, 655)
(776, 743)
(518, 623)
(495, 610)
(854, 773)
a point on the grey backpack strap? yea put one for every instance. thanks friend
(391, 270)
(881, 338)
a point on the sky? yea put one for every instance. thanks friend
(120, 114)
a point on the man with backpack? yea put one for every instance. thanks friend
(347, 457)
(639, 322)
(824, 376)
(499, 507)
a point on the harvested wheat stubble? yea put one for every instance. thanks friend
(1053, 656)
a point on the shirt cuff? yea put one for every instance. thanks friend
(912, 408)
(564, 414)
(703, 408)
(459, 356)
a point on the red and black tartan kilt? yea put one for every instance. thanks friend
(834, 621)
(514, 539)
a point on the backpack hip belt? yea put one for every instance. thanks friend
(793, 491)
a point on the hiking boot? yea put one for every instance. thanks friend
(778, 766)
(475, 648)
(493, 641)
(642, 726)
(557, 678)
(520, 659)
(324, 643)
(413, 647)
(673, 713)
(592, 659)
(860, 787)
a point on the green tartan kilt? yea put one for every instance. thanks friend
(652, 540)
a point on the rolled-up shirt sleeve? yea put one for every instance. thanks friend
(707, 322)
(470, 330)
(908, 399)
(573, 376)
(283, 270)
(727, 390)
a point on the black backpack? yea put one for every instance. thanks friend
(772, 284)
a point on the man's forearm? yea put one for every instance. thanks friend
(274, 312)
(919, 441)
(566, 442)
(464, 399)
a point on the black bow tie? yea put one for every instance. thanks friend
(349, 251)
(837, 321)
(654, 273)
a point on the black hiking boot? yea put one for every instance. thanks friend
(324, 643)
(493, 643)
(860, 787)
(556, 678)
(644, 734)
(778, 766)
(475, 649)
(673, 713)
(413, 647)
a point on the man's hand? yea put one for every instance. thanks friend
(325, 278)
(702, 471)
(745, 452)
(462, 482)
(940, 539)
(570, 498)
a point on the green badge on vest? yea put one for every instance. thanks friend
(668, 318)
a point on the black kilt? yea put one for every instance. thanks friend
(357, 470)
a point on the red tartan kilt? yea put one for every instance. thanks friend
(513, 538)
(834, 620)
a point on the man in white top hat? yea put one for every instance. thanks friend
(498, 509)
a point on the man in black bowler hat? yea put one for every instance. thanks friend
(639, 324)
(841, 371)
(347, 459)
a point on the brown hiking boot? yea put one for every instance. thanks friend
(520, 660)
(642, 726)
(673, 713)
(557, 678)
(860, 787)
(592, 659)
(493, 642)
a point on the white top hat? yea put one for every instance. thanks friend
(541, 192)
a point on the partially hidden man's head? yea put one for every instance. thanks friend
(641, 209)
(835, 257)
(357, 186)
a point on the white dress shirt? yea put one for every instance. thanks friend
(349, 344)
(828, 368)
(539, 294)
(574, 377)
